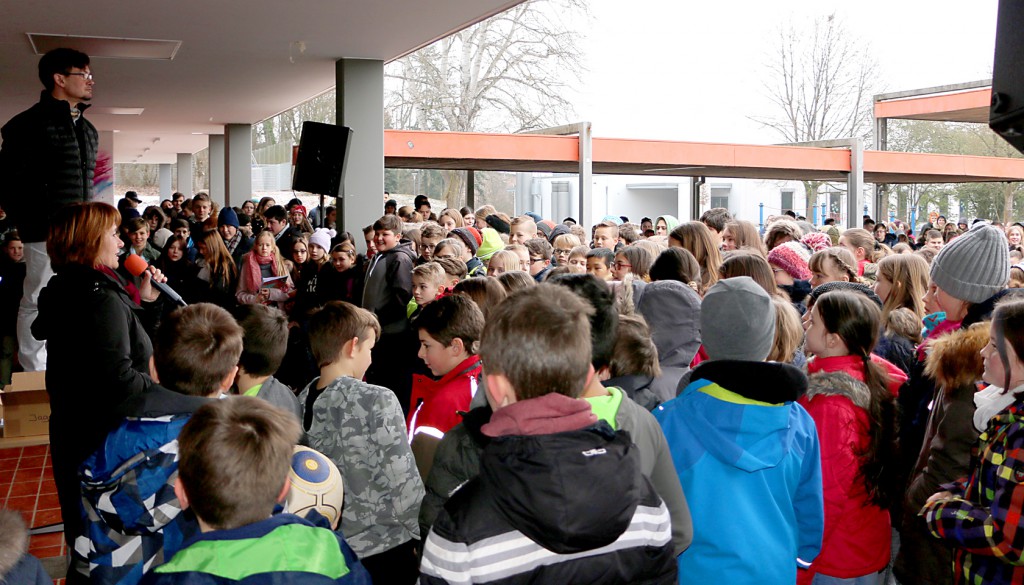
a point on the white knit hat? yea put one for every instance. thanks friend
(322, 237)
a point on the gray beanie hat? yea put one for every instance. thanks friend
(737, 320)
(974, 266)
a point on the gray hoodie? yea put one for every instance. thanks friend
(672, 311)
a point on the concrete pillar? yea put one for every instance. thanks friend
(217, 168)
(586, 176)
(165, 181)
(185, 174)
(855, 184)
(238, 162)
(360, 106)
(103, 180)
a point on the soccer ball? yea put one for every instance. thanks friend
(316, 484)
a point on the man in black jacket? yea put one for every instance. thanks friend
(48, 159)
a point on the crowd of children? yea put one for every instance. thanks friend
(511, 400)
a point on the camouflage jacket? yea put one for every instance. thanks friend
(361, 428)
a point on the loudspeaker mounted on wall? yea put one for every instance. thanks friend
(320, 161)
(1006, 115)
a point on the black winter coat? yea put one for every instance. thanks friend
(47, 161)
(97, 356)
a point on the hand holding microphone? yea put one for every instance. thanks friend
(151, 276)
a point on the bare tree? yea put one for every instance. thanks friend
(822, 83)
(509, 73)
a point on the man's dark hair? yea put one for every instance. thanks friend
(716, 218)
(604, 321)
(60, 61)
(604, 254)
(790, 213)
(293, 202)
(275, 212)
(266, 338)
(830, 221)
(178, 223)
(452, 317)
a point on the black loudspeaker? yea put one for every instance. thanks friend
(320, 161)
(1006, 116)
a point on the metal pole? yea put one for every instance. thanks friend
(760, 216)
(471, 189)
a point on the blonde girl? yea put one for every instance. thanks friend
(832, 265)
(503, 261)
(742, 234)
(861, 244)
(902, 282)
(696, 237)
(262, 263)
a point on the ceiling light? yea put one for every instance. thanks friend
(116, 111)
(108, 47)
(198, 133)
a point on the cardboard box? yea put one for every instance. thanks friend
(25, 405)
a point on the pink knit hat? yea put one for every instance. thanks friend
(791, 257)
(817, 241)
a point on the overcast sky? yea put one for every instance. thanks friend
(693, 70)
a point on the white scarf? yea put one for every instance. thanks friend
(990, 402)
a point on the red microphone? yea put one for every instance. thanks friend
(137, 265)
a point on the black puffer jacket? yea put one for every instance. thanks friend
(98, 356)
(569, 507)
(47, 161)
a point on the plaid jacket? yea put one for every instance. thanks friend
(983, 520)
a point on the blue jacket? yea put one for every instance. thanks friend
(132, 520)
(280, 550)
(748, 459)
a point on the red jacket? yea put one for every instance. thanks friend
(857, 538)
(435, 405)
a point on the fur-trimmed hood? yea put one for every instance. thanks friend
(954, 359)
(839, 384)
(13, 541)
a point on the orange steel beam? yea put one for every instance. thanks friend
(934, 107)
(532, 152)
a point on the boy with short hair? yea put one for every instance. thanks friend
(933, 240)
(540, 257)
(449, 332)
(387, 290)
(181, 228)
(455, 270)
(738, 436)
(263, 349)
(560, 497)
(523, 228)
(606, 235)
(577, 261)
(235, 458)
(360, 427)
(138, 236)
(131, 515)
(427, 284)
(430, 235)
(599, 263)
